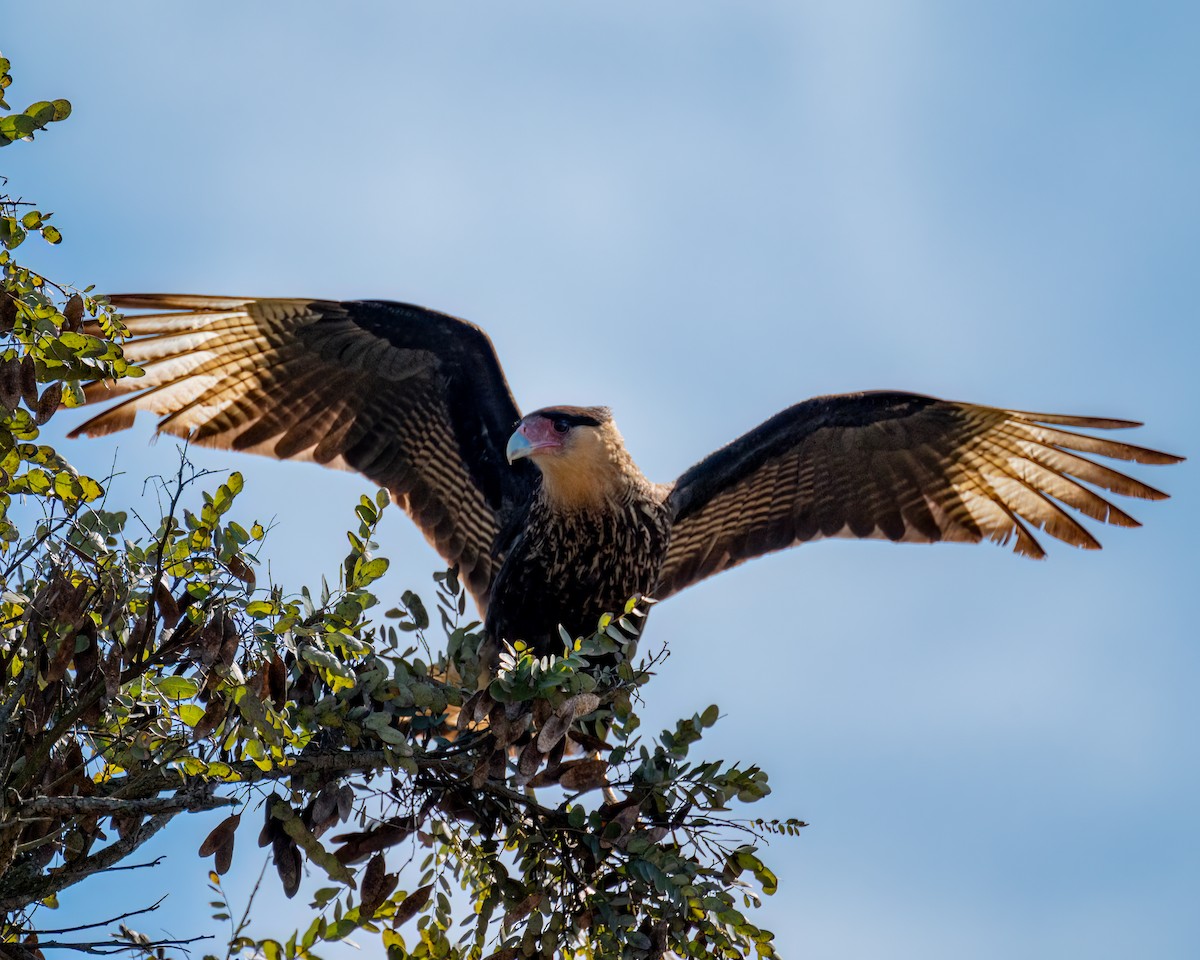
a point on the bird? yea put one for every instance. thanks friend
(546, 516)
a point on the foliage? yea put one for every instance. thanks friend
(146, 675)
(23, 125)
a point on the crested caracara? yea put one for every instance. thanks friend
(546, 516)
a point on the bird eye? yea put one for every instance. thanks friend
(561, 426)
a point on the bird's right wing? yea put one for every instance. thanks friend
(897, 466)
(413, 399)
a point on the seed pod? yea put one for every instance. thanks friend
(466, 713)
(578, 706)
(220, 842)
(377, 886)
(214, 713)
(345, 801)
(167, 607)
(277, 678)
(229, 640)
(522, 909)
(8, 313)
(10, 383)
(48, 403)
(411, 905)
(242, 570)
(29, 390)
(581, 775)
(529, 761)
(553, 730)
(288, 863)
(73, 314)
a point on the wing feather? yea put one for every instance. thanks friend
(413, 399)
(901, 467)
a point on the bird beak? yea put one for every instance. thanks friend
(519, 446)
(534, 435)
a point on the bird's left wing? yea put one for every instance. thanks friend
(896, 466)
(413, 399)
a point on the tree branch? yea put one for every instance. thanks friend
(101, 948)
(106, 806)
(100, 923)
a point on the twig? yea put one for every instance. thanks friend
(100, 923)
(137, 866)
(237, 931)
(106, 948)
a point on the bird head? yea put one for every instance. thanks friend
(578, 450)
(556, 432)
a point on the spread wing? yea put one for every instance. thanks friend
(412, 399)
(897, 466)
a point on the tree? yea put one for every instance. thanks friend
(146, 675)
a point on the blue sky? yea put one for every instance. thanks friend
(699, 214)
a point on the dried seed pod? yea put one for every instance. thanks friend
(29, 390)
(288, 863)
(624, 821)
(411, 905)
(167, 607)
(557, 752)
(220, 842)
(10, 384)
(214, 714)
(548, 777)
(345, 801)
(229, 641)
(528, 762)
(8, 313)
(73, 314)
(361, 844)
(242, 570)
(578, 706)
(466, 713)
(552, 731)
(581, 775)
(522, 909)
(377, 885)
(48, 403)
(136, 643)
(277, 678)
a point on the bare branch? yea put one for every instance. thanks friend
(104, 948)
(101, 923)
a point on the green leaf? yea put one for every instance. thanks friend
(177, 688)
(260, 608)
(368, 571)
(190, 713)
(89, 489)
(18, 126)
(67, 486)
(41, 112)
